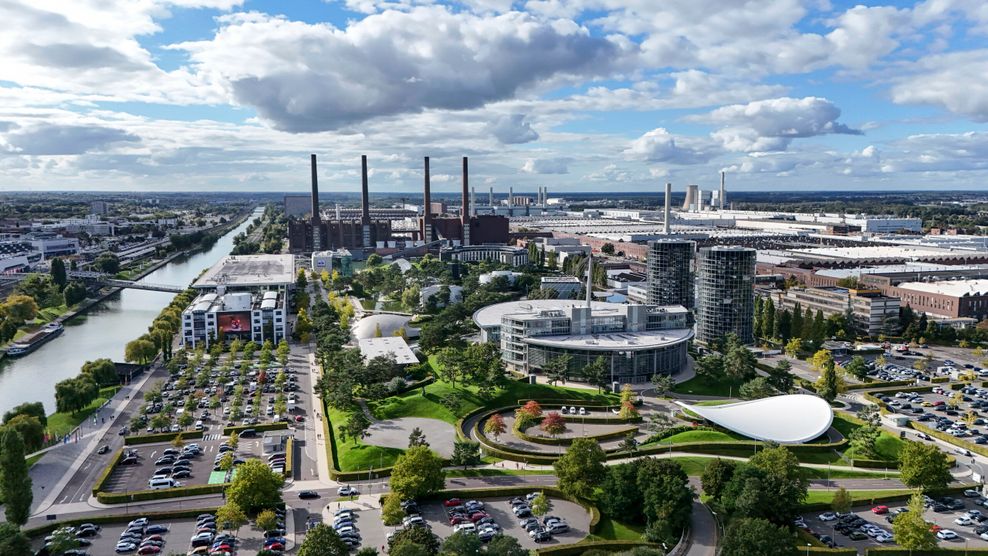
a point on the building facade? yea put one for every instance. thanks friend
(873, 313)
(726, 297)
(340, 260)
(566, 287)
(670, 272)
(634, 341)
(514, 256)
(248, 316)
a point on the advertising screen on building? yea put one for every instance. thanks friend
(233, 322)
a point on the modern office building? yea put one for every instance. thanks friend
(340, 260)
(507, 254)
(873, 313)
(726, 298)
(566, 287)
(670, 272)
(946, 298)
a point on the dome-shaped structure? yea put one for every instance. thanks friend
(790, 419)
(367, 327)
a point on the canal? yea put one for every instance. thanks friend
(101, 332)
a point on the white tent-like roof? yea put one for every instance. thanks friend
(790, 419)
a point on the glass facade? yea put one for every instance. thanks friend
(670, 272)
(624, 366)
(726, 296)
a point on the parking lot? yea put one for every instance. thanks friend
(134, 477)
(945, 519)
(176, 539)
(960, 413)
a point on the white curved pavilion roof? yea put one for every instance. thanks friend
(789, 419)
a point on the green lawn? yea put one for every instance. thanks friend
(368, 304)
(613, 530)
(34, 459)
(701, 436)
(417, 404)
(704, 386)
(715, 402)
(351, 456)
(827, 496)
(63, 423)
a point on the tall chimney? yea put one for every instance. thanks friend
(666, 214)
(545, 195)
(490, 197)
(473, 201)
(511, 197)
(365, 202)
(427, 210)
(722, 192)
(589, 280)
(316, 228)
(465, 212)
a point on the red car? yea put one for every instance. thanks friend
(275, 546)
(299, 418)
(456, 520)
(453, 502)
(478, 516)
(148, 549)
(880, 510)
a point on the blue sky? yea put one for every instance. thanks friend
(576, 95)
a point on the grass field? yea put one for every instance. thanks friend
(34, 459)
(887, 446)
(701, 436)
(610, 529)
(355, 456)
(704, 386)
(417, 404)
(63, 423)
(827, 496)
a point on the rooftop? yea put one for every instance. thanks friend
(955, 288)
(625, 341)
(790, 419)
(388, 346)
(249, 271)
(491, 315)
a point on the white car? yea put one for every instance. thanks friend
(963, 520)
(946, 535)
(346, 491)
(828, 516)
(466, 527)
(884, 538)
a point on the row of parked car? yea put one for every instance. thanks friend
(345, 525)
(853, 527)
(471, 517)
(143, 537)
(173, 464)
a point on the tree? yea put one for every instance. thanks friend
(842, 501)
(461, 544)
(31, 431)
(784, 479)
(595, 373)
(58, 274)
(20, 308)
(417, 438)
(415, 536)
(391, 511)
(62, 540)
(739, 362)
(768, 319)
(230, 517)
(857, 367)
(255, 486)
(757, 537)
(629, 443)
(417, 473)
(793, 347)
(829, 384)
(780, 378)
(607, 249)
(465, 453)
(863, 441)
(581, 468)
(662, 383)
(495, 426)
(541, 505)
(911, 531)
(716, 476)
(226, 461)
(74, 394)
(107, 263)
(923, 466)
(34, 409)
(756, 388)
(553, 424)
(141, 350)
(102, 371)
(623, 495)
(503, 545)
(14, 543)
(266, 520)
(710, 366)
(557, 369)
(15, 482)
(357, 425)
(322, 540)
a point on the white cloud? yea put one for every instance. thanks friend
(954, 81)
(512, 129)
(659, 145)
(546, 166)
(767, 125)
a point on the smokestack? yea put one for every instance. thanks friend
(545, 195)
(666, 213)
(338, 211)
(365, 201)
(465, 212)
(316, 228)
(722, 193)
(490, 197)
(427, 212)
(511, 197)
(473, 201)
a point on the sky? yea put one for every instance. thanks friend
(574, 95)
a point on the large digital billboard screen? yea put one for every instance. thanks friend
(233, 322)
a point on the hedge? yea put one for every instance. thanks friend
(551, 441)
(289, 456)
(817, 506)
(162, 494)
(105, 475)
(161, 437)
(874, 463)
(940, 379)
(889, 384)
(414, 385)
(976, 448)
(125, 518)
(580, 548)
(258, 428)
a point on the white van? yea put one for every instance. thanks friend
(162, 483)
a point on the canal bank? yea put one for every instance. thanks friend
(102, 329)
